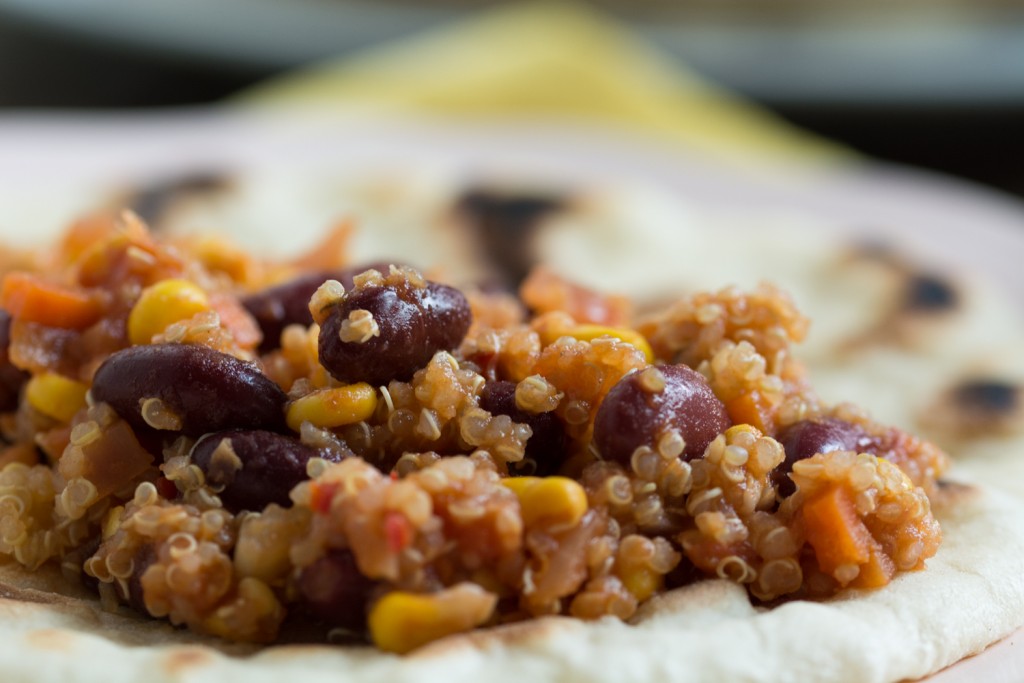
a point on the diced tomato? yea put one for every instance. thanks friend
(397, 530)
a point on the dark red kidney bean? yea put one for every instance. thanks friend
(5, 330)
(271, 465)
(11, 378)
(334, 590)
(414, 322)
(545, 450)
(144, 557)
(807, 438)
(208, 390)
(288, 303)
(683, 574)
(632, 415)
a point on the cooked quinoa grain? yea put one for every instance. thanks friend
(426, 460)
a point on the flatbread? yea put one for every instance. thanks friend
(971, 594)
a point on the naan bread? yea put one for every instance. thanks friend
(901, 343)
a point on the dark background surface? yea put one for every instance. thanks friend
(46, 69)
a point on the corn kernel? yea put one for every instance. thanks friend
(519, 485)
(731, 432)
(401, 622)
(642, 582)
(253, 615)
(590, 332)
(263, 545)
(112, 522)
(55, 395)
(556, 503)
(333, 407)
(217, 253)
(163, 304)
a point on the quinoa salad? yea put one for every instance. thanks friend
(247, 446)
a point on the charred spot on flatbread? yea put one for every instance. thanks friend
(155, 201)
(978, 406)
(923, 301)
(929, 294)
(951, 494)
(51, 640)
(179, 661)
(504, 224)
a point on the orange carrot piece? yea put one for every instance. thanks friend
(834, 530)
(27, 297)
(748, 408)
(331, 252)
(83, 235)
(544, 291)
(877, 571)
(234, 317)
(24, 452)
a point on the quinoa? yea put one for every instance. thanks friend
(409, 499)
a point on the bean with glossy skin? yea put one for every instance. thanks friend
(632, 415)
(414, 323)
(11, 378)
(545, 447)
(288, 304)
(807, 438)
(271, 465)
(334, 590)
(208, 390)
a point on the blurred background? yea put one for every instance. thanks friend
(937, 84)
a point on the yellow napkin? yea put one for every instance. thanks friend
(553, 62)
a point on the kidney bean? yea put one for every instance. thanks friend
(807, 438)
(642, 406)
(145, 556)
(545, 449)
(255, 468)
(413, 324)
(288, 303)
(5, 330)
(11, 378)
(198, 390)
(335, 591)
(683, 574)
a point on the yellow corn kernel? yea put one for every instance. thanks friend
(519, 485)
(556, 503)
(590, 332)
(253, 615)
(55, 395)
(401, 622)
(642, 582)
(217, 253)
(333, 407)
(731, 432)
(163, 304)
(112, 522)
(264, 541)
